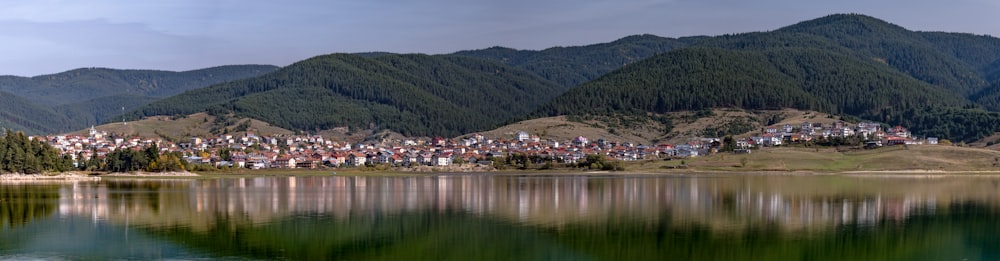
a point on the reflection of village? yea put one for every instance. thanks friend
(719, 203)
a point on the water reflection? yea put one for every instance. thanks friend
(722, 203)
(498, 217)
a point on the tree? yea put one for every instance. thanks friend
(728, 143)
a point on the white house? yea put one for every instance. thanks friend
(522, 136)
(444, 159)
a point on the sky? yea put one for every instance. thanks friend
(49, 36)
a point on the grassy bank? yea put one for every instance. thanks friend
(830, 160)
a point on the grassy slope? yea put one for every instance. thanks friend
(686, 126)
(199, 124)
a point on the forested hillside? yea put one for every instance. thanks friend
(844, 64)
(572, 66)
(411, 94)
(101, 110)
(79, 98)
(89, 83)
(17, 113)
(700, 78)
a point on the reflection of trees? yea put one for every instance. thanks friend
(419, 235)
(20, 204)
(945, 235)
(967, 231)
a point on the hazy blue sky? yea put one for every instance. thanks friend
(49, 36)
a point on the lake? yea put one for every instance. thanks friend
(507, 217)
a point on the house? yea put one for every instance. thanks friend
(685, 152)
(284, 162)
(899, 131)
(896, 141)
(339, 158)
(443, 159)
(306, 164)
(769, 139)
(384, 158)
(846, 132)
(806, 127)
(395, 160)
(470, 157)
(424, 159)
(332, 162)
(256, 164)
(743, 143)
(223, 163)
(410, 158)
(438, 141)
(522, 136)
(357, 159)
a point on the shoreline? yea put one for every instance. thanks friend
(81, 176)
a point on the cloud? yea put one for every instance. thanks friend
(42, 47)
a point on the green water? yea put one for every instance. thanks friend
(496, 217)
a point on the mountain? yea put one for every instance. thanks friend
(571, 66)
(940, 84)
(930, 57)
(79, 98)
(412, 94)
(845, 64)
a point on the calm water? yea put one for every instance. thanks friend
(486, 217)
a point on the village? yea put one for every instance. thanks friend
(312, 151)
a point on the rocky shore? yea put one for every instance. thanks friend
(86, 176)
(48, 177)
(152, 174)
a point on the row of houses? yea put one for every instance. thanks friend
(312, 151)
(871, 133)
